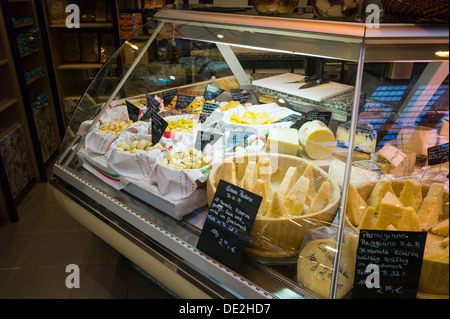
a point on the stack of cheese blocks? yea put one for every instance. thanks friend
(295, 196)
(417, 207)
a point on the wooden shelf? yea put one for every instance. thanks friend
(84, 25)
(21, 25)
(80, 66)
(29, 53)
(6, 103)
(35, 79)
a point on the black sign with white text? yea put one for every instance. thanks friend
(388, 264)
(228, 224)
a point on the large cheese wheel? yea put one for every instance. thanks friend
(317, 140)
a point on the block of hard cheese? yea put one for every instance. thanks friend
(283, 140)
(365, 137)
(417, 139)
(396, 162)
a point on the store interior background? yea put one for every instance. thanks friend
(42, 81)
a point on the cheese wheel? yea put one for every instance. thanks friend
(317, 140)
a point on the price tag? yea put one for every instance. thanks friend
(152, 106)
(168, 96)
(205, 138)
(388, 264)
(183, 101)
(159, 126)
(241, 97)
(289, 118)
(211, 92)
(236, 138)
(324, 117)
(438, 154)
(133, 111)
(208, 108)
(228, 224)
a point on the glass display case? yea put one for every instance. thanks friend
(223, 178)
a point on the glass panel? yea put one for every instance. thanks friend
(279, 106)
(401, 188)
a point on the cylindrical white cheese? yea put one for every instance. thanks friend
(317, 140)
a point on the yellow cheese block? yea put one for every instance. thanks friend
(410, 221)
(262, 189)
(308, 173)
(356, 206)
(296, 198)
(289, 180)
(390, 212)
(228, 172)
(315, 266)
(277, 208)
(368, 219)
(441, 228)
(283, 140)
(411, 194)
(432, 207)
(380, 190)
(444, 243)
(321, 200)
(250, 176)
(317, 140)
(417, 139)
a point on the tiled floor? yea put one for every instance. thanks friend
(35, 251)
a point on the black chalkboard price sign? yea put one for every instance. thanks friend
(388, 264)
(438, 154)
(324, 117)
(159, 126)
(228, 224)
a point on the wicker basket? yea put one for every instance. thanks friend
(425, 11)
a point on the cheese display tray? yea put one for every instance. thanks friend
(278, 231)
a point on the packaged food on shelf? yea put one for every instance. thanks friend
(28, 40)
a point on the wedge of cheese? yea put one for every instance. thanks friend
(390, 212)
(365, 137)
(379, 192)
(308, 173)
(441, 228)
(228, 172)
(396, 162)
(368, 219)
(250, 176)
(262, 189)
(432, 207)
(289, 180)
(264, 170)
(417, 139)
(283, 140)
(277, 209)
(356, 206)
(294, 201)
(321, 200)
(359, 175)
(410, 221)
(411, 194)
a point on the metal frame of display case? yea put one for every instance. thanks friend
(152, 230)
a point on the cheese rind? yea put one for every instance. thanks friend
(283, 140)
